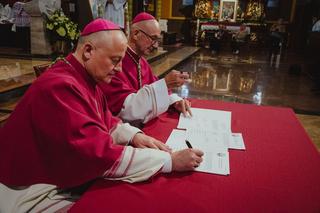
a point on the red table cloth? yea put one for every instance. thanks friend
(278, 172)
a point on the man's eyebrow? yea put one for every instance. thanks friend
(116, 57)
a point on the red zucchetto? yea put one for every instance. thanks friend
(142, 17)
(99, 25)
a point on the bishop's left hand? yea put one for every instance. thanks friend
(176, 79)
(183, 106)
(141, 140)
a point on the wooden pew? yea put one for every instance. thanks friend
(39, 69)
(3, 117)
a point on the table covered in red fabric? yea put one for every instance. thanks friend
(278, 172)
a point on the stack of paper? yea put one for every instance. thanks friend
(209, 131)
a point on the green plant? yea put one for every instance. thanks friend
(60, 27)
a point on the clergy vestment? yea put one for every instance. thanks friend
(62, 134)
(115, 12)
(136, 94)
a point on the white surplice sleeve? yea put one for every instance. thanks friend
(149, 102)
(174, 98)
(123, 133)
(138, 165)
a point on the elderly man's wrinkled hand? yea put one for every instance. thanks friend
(141, 140)
(186, 159)
(176, 79)
(183, 106)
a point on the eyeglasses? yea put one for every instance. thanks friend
(154, 39)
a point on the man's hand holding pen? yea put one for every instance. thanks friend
(186, 159)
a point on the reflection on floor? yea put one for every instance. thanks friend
(250, 78)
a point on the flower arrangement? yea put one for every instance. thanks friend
(60, 27)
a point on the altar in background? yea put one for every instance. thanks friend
(231, 14)
(230, 10)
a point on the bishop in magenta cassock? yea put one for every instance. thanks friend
(62, 135)
(136, 95)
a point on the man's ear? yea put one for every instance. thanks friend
(135, 34)
(87, 51)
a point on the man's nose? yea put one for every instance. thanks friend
(156, 45)
(118, 67)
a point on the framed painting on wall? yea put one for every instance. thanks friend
(228, 10)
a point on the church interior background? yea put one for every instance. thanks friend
(258, 73)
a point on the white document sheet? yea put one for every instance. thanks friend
(204, 139)
(212, 120)
(215, 161)
(212, 126)
(216, 155)
(237, 142)
(177, 140)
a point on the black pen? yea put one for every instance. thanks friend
(188, 144)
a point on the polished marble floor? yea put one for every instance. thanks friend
(250, 78)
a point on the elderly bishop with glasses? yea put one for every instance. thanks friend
(136, 95)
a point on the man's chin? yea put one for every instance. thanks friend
(107, 80)
(148, 52)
